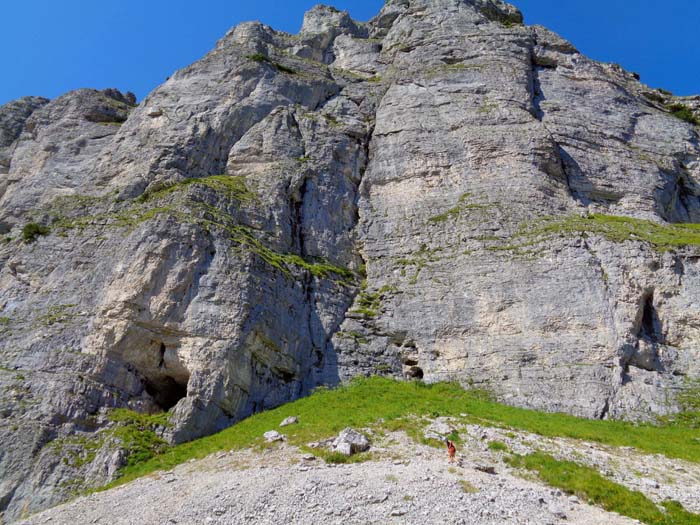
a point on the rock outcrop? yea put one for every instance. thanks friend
(441, 193)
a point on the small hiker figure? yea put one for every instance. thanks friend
(451, 450)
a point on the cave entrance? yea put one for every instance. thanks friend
(650, 328)
(415, 372)
(165, 376)
(166, 391)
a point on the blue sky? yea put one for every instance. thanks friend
(48, 47)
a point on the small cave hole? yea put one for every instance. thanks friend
(415, 372)
(650, 328)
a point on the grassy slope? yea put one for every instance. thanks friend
(589, 485)
(365, 401)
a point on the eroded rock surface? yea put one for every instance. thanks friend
(294, 210)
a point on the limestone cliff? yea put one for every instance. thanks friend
(441, 192)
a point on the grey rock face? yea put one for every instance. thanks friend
(13, 116)
(361, 198)
(55, 152)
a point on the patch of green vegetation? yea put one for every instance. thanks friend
(511, 23)
(244, 236)
(467, 487)
(589, 485)
(137, 434)
(418, 261)
(232, 186)
(338, 458)
(683, 112)
(368, 303)
(661, 237)
(283, 262)
(366, 400)
(355, 336)
(5, 321)
(487, 108)
(375, 78)
(332, 121)
(78, 450)
(689, 398)
(462, 206)
(689, 402)
(33, 230)
(259, 57)
(318, 267)
(56, 314)
(497, 446)
(134, 432)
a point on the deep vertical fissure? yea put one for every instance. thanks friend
(650, 328)
(298, 219)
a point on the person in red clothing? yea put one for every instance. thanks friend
(451, 451)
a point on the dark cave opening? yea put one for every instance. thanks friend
(166, 391)
(163, 374)
(650, 328)
(415, 372)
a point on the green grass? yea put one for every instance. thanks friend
(589, 485)
(233, 187)
(511, 23)
(365, 400)
(467, 487)
(457, 210)
(33, 230)
(136, 431)
(689, 402)
(684, 113)
(368, 304)
(497, 446)
(259, 57)
(660, 236)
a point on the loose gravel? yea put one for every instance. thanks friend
(408, 484)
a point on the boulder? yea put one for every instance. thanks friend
(349, 442)
(291, 420)
(439, 430)
(272, 435)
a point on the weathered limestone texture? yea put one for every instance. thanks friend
(424, 195)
